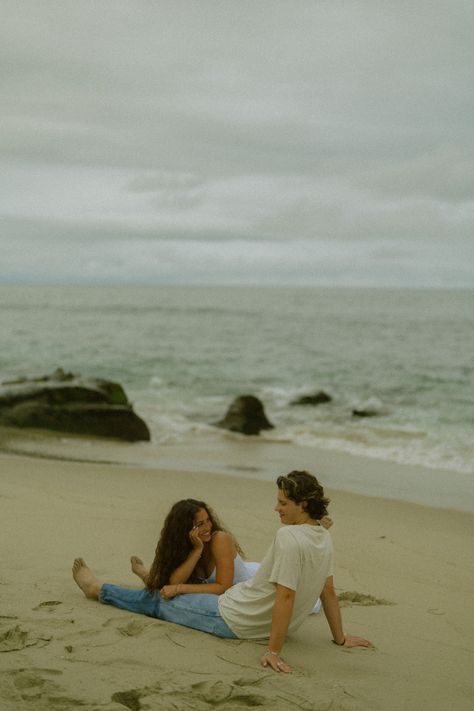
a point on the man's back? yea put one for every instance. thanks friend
(300, 558)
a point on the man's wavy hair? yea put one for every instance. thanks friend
(174, 545)
(303, 488)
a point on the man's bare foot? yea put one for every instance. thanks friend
(86, 579)
(138, 568)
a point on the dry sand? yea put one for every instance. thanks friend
(60, 651)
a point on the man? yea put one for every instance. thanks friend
(296, 569)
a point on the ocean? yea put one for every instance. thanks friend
(183, 353)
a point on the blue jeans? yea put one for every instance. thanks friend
(201, 612)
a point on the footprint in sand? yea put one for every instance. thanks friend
(351, 597)
(129, 699)
(16, 638)
(134, 627)
(32, 689)
(48, 605)
(172, 692)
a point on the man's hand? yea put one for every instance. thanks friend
(275, 662)
(351, 641)
(326, 521)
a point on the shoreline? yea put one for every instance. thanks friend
(65, 650)
(256, 459)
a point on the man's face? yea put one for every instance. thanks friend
(289, 512)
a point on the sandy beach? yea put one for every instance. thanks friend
(60, 650)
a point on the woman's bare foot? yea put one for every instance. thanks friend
(138, 568)
(86, 579)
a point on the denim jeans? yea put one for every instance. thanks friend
(201, 612)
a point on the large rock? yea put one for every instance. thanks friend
(318, 398)
(69, 403)
(246, 415)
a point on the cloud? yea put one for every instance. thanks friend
(221, 123)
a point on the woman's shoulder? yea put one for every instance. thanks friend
(221, 539)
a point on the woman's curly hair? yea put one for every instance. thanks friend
(301, 486)
(174, 545)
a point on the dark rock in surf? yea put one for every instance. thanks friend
(318, 398)
(246, 415)
(365, 413)
(369, 408)
(70, 403)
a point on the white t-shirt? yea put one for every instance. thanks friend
(300, 558)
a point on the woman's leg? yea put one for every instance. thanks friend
(139, 568)
(143, 601)
(201, 612)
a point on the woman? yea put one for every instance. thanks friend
(195, 554)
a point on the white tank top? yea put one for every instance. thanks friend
(243, 570)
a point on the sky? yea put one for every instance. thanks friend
(299, 142)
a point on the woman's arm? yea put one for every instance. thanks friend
(333, 615)
(223, 553)
(185, 570)
(281, 616)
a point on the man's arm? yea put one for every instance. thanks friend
(332, 611)
(281, 616)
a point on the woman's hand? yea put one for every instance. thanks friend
(270, 659)
(169, 591)
(326, 521)
(196, 542)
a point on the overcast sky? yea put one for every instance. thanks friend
(237, 141)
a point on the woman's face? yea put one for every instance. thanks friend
(203, 524)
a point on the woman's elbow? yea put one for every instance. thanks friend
(222, 587)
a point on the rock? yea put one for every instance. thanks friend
(246, 415)
(69, 403)
(364, 413)
(371, 408)
(318, 398)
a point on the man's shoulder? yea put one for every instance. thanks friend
(288, 537)
(301, 535)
